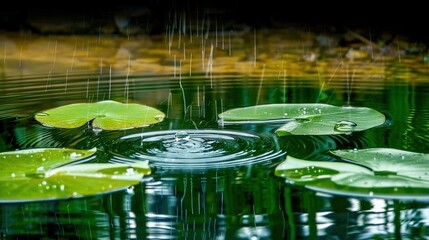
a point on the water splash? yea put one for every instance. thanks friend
(182, 136)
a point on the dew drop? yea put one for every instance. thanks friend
(75, 155)
(182, 136)
(130, 171)
(317, 111)
(303, 111)
(13, 175)
(345, 126)
(62, 187)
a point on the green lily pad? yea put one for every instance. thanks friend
(50, 173)
(308, 119)
(389, 161)
(107, 115)
(376, 172)
(302, 171)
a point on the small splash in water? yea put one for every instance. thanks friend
(345, 126)
(182, 136)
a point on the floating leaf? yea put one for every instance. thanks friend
(389, 161)
(47, 174)
(107, 115)
(308, 119)
(377, 172)
(301, 171)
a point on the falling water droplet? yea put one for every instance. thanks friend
(182, 136)
(345, 126)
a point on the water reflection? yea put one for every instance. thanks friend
(228, 204)
(329, 217)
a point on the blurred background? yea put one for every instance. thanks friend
(152, 16)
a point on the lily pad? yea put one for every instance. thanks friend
(374, 172)
(107, 115)
(308, 118)
(50, 173)
(389, 161)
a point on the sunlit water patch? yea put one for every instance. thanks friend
(198, 149)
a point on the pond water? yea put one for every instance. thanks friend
(211, 180)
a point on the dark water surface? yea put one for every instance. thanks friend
(223, 186)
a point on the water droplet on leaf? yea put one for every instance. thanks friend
(345, 126)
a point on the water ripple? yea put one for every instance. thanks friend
(198, 149)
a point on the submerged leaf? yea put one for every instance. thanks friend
(47, 174)
(377, 172)
(107, 115)
(309, 119)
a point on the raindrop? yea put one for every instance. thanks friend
(182, 136)
(317, 110)
(130, 171)
(303, 111)
(75, 155)
(345, 126)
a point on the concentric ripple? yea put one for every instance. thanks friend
(198, 149)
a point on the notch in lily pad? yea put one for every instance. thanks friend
(373, 172)
(51, 174)
(307, 118)
(104, 115)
